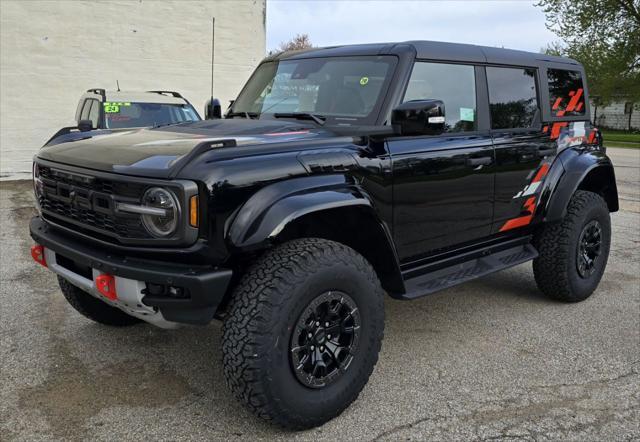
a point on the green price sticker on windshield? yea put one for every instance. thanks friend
(364, 81)
(113, 107)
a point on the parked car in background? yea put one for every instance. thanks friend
(99, 109)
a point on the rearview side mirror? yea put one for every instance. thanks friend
(419, 117)
(85, 125)
(212, 109)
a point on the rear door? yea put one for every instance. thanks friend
(522, 150)
(443, 185)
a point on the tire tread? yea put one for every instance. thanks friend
(551, 267)
(267, 286)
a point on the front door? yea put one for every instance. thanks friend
(443, 185)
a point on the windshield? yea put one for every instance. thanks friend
(341, 89)
(124, 115)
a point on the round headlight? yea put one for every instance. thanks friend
(161, 225)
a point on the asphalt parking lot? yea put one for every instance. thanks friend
(492, 359)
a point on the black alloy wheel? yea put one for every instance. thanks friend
(325, 339)
(589, 248)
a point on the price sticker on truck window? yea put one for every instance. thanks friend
(113, 107)
(466, 114)
(364, 81)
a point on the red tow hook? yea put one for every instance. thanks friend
(106, 285)
(37, 253)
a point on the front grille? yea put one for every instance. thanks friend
(87, 203)
(111, 187)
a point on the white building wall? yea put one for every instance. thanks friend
(53, 51)
(612, 116)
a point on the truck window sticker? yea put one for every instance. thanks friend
(466, 114)
(113, 107)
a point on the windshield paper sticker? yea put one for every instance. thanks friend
(113, 107)
(466, 114)
(364, 81)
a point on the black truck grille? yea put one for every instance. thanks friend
(87, 203)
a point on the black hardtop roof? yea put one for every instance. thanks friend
(435, 50)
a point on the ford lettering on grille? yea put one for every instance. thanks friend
(89, 203)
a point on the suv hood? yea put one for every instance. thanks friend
(160, 151)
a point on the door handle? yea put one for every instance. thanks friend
(484, 161)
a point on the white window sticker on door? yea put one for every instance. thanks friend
(466, 114)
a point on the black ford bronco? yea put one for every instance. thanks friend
(336, 176)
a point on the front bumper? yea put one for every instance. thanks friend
(206, 286)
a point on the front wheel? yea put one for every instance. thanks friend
(574, 251)
(303, 332)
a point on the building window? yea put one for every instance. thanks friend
(628, 108)
(512, 97)
(454, 85)
(566, 93)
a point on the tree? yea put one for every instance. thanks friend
(604, 35)
(300, 41)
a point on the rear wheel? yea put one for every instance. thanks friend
(93, 308)
(303, 332)
(574, 251)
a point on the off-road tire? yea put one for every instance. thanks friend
(258, 330)
(93, 308)
(555, 269)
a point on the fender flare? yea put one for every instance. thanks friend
(275, 207)
(571, 172)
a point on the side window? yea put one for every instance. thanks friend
(566, 93)
(94, 113)
(85, 110)
(454, 85)
(512, 97)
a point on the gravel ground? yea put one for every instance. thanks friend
(492, 359)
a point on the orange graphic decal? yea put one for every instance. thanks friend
(542, 172)
(555, 130)
(516, 222)
(574, 100)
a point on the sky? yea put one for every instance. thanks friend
(514, 24)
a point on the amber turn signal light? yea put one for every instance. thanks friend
(193, 211)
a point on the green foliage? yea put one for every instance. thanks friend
(604, 35)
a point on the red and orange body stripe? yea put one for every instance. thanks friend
(529, 206)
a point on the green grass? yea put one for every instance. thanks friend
(619, 138)
(626, 137)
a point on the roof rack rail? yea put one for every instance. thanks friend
(173, 93)
(98, 91)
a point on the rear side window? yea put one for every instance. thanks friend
(512, 97)
(454, 85)
(86, 109)
(566, 93)
(94, 113)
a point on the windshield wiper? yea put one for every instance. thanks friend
(155, 126)
(318, 119)
(247, 115)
